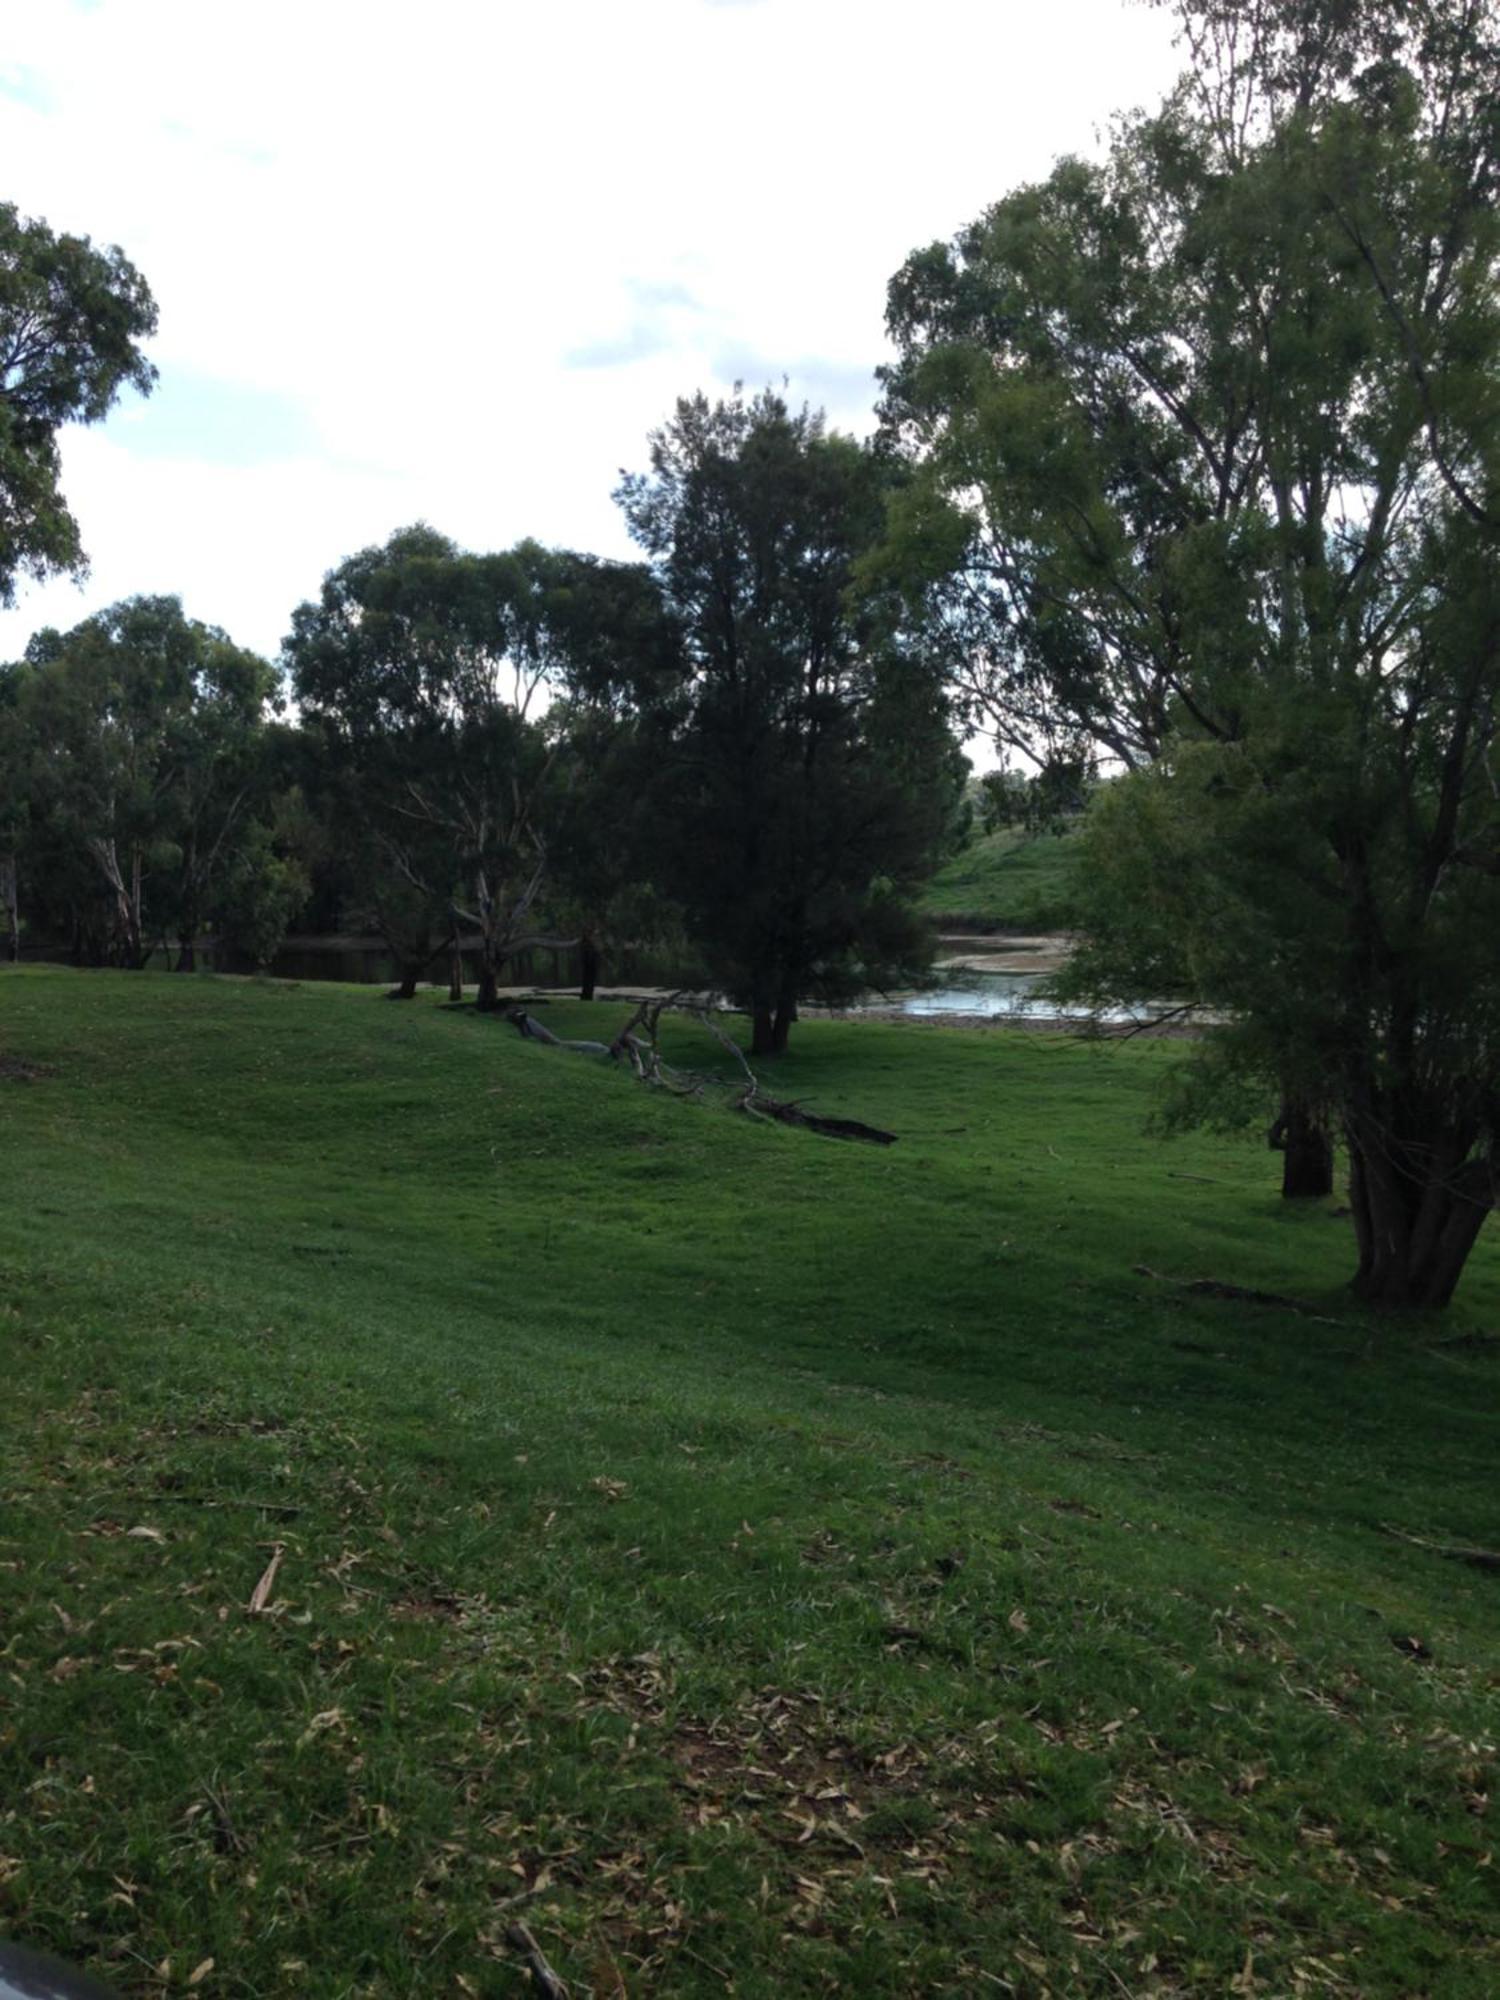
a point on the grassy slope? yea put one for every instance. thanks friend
(793, 1567)
(1008, 881)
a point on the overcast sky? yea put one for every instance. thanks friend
(453, 261)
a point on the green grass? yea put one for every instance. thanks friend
(788, 1567)
(1008, 881)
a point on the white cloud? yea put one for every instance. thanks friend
(410, 229)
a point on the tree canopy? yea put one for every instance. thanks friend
(806, 773)
(1204, 455)
(71, 320)
(135, 743)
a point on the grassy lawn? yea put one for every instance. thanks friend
(765, 1565)
(1008, 881)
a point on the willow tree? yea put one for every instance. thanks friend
(1204, 444)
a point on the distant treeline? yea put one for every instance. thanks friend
(724, 750)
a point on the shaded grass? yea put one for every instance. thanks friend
(1008, 881)
(786, 1567)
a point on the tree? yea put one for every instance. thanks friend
(620, 659)
(604, 842)
(265, 885)
(219, 796)
(1206, 448)
(142, 728)
(806, 775)
(15, 786)
(71, 318)
(422, 664)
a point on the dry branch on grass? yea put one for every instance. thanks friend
(1486, 1559)
(756, 1101)
(1218, 1288)
(642, 1051)
(522, 1939)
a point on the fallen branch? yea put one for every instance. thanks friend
(754, 1101)
(831, 1128)
(1217, 1288)
(1487, 1559)
(519, 1936)
(643, 1053)
(531, 1030)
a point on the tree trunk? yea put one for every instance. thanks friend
(786, 1013)
(762, 1027)
(8, 898)
(126, 897)
(137, 939)
(187, 958)
(407, 989)
(588, 966)
(1306, 1147)
(487, 1000)
(1418, 1209)
(455, 975)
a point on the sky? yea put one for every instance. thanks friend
(454, 262)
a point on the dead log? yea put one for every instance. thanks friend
(755, 1101)
(638, 1045)
(532, 1030)
(791, 1113)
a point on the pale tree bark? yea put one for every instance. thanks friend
(126, 894)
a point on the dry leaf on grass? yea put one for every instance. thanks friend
(261, 1595)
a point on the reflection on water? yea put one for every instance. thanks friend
(1014, 993)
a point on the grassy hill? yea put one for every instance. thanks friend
(1008, 881)
(445, 1482)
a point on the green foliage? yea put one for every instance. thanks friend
(748, 1548)
(71, 318)
(420, 665)
(1046, 800)
(1009, 881)
(1213, 425)
(263, 893)
(139, 734)
(806, 773)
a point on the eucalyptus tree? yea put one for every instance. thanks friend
(805, 772)
(15, 788)
(71, 321)
(428, 669)
(141, 728)
(1203, 445)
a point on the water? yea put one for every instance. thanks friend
(997, 995)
